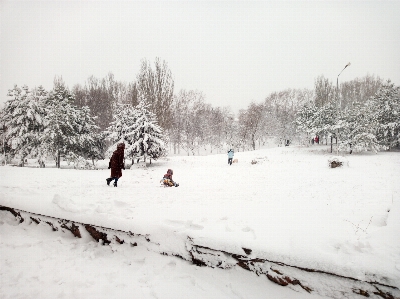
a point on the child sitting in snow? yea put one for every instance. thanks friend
(167, 179)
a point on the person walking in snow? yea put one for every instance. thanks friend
(116, 164)
(230, 156)
(167, 179)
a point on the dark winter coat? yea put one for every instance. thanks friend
(117, 161)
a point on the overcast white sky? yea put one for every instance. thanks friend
(234, 52)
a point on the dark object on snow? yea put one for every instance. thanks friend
(335, 164)
(287, 142)
(116, 164)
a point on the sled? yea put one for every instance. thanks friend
(168, 183)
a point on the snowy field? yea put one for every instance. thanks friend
(288, 207)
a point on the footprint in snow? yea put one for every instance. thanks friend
(247, 230)
(121, 204)
(188, 224)
(66, 204)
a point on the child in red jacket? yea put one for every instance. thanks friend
(167, 179)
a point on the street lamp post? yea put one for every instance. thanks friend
(339, 107)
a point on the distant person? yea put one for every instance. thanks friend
(317, 139)
(116, 164)
(230, 156)
(167, 179)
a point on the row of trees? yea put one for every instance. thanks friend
(155, 85)
(146, 114)
(291, 114)
(370, 122)
(40, 124)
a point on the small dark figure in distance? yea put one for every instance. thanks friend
(316, 139)
(230, 156)
(287, 142)
(167, 179)
(116, 164)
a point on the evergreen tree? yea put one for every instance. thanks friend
(326, 121)
(123, 124)
(386, 114)
(148, 135)
(23, 117)
(69, 131)
(90, 143)
(358, 130)
(305, 119)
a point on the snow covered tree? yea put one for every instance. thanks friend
(148, 135)
(385, 107)
(357, 130)
(23, 117)
(251, 121)
(358, 90)
(157, 88)
(123, 124)
(324, 91)
(178, 113)
(280, 112)
(138, 129)
(305, 119)
(90, 142)
(216, 127)
(69, 131)
(326, 120)
(189, 120)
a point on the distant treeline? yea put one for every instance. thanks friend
(362, 113)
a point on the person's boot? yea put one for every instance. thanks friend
(108, 181)
(115, 184)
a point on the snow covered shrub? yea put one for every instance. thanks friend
(79, 162)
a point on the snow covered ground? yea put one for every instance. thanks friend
(288, 207)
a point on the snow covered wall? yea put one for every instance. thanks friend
(309, 280)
